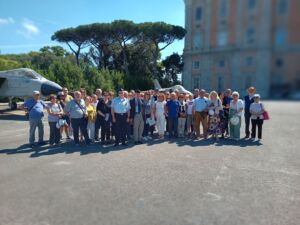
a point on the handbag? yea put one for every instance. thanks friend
(265, 114)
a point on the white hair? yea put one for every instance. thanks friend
(236, 93)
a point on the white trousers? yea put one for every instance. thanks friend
(91, 130)
(161, 123)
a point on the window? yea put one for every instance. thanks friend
(198, 13)
(249, 61)
(279, 63)
(282, 7)
(222, 38)
(248, 81)
(251, 4)
(197, 82)
(223, 8)
(251, 35)
(221, 83)
(197, 41)
(281, 38)
(222, 63)
(196, 65)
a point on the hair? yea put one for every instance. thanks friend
(235, 93)
(52, 97)
(213, 93)
(161, 95)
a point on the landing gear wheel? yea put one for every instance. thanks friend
(13, 106)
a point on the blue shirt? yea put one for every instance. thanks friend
(120, 105)
(173, 108)
(36, 108)
(201, 104)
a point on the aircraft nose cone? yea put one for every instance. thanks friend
(49, 88)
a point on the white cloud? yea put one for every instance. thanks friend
(29, 29)
(4, 21)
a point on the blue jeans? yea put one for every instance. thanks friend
(33, 124)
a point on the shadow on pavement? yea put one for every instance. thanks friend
(181, 142)
(13, 117)
(64, 148)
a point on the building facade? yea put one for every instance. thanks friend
(240, 43)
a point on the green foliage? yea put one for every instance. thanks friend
(6, 64)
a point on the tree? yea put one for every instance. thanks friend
(123, 31)
(173, 65)
(161, 35)
(99, 35)
(77, 36)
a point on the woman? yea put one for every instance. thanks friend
(104, 111)
(257, 119)
(160, 115)
(236, 108)
(55, 112)
(91, 118)
(189, 110)
(224, 120)
(147, 127)
(215, 110)
(181, 116)
(62, 102)
(111, 96)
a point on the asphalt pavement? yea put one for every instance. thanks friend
(168, 182)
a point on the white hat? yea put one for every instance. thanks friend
(256, 96)
(36, 92)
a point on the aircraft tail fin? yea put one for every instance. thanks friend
(156, 84)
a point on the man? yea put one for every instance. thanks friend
(248, 101)
(136, 117)
(226, 103)
(172, 108)
(76, 109)
(34, 107)
(200, 111)
(99, 120)
(196, 93)
(66, 94)
(120, 111)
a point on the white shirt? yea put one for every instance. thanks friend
(239, 105)
(257, 108)
(160, 107)
(190, 104)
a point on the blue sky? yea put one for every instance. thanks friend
(28, 25)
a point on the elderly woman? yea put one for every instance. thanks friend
(236, 108)
(215, 112)
(159, 113)
(91, 118)
(55, 112)
(257, 119)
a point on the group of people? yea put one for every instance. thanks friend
(106, 118)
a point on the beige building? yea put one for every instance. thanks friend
(239, 43)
